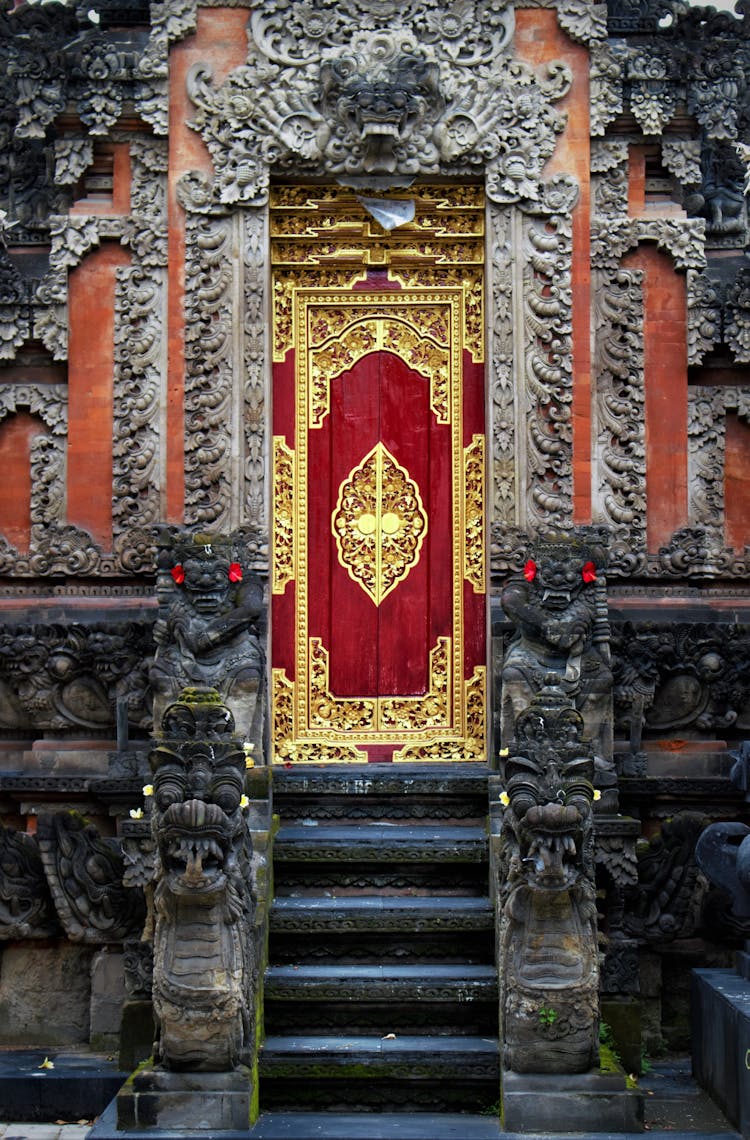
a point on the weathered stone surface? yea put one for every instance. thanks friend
(45, 995)
(107, 996)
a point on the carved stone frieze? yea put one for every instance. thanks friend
(682, 239)
(681, 677)
(606, 78)
(55, 677)
(609, 166)
(653, 99)
(84, 872)
(360, 92)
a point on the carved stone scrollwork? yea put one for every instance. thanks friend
(737, 327)
(609, 165)
(620, 431)
(707, 408)
(668, 901)
(705, 295)
(85, 874)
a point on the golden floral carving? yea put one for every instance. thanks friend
(287, 749)
(468, 746)
(379, 523)
(474, 546)
(284, 562)
(336, 714)
(429, 711)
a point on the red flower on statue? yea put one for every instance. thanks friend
(588, 573)
(235, 572)
(178, 573)
(529, 570)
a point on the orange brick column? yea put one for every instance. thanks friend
(665, 365)
(91, 303)
(221, 42)
(539, 40)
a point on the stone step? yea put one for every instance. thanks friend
(380, 843)
(367, 999)
(442, 983)
(406, 1056)
(381, 913)
(443, 792)
(421, 1073)
(400, 946)
(371, 878)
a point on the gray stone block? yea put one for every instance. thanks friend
(45, 994)
(107, 996)
(721, 1041)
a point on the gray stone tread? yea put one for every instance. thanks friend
(410, 1044)
(380, 912)
(465, 983)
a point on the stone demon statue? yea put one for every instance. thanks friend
(208, 630)
(559, 610)
(202, 901)
(547, 938)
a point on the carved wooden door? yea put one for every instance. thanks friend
(378, 617)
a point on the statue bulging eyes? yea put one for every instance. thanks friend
(170, 789)
(226, 791)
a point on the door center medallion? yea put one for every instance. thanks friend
(379, 523)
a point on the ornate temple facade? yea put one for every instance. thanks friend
(324, 328)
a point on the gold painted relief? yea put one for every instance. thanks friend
(470, 744)
(284, 563)
(474, 560)
(374, 719)
(288, 746)
(420, 337)
(379, 524)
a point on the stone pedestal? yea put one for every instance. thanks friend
(720, 1010)
(193, 1102)
(587, 1102)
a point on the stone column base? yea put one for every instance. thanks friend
(189, 1101)
(557, 1102)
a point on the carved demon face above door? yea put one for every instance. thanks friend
(378, 572)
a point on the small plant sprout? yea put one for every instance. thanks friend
(547, 1016)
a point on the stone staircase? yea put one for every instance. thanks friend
(381, 993)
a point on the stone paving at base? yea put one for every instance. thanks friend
(44, 1131)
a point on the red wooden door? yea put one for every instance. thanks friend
(378, 647)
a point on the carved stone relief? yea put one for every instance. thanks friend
(707, 408)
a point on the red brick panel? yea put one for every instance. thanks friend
(91, 300)
(665, 362)
(737, 483)
(16, 435)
